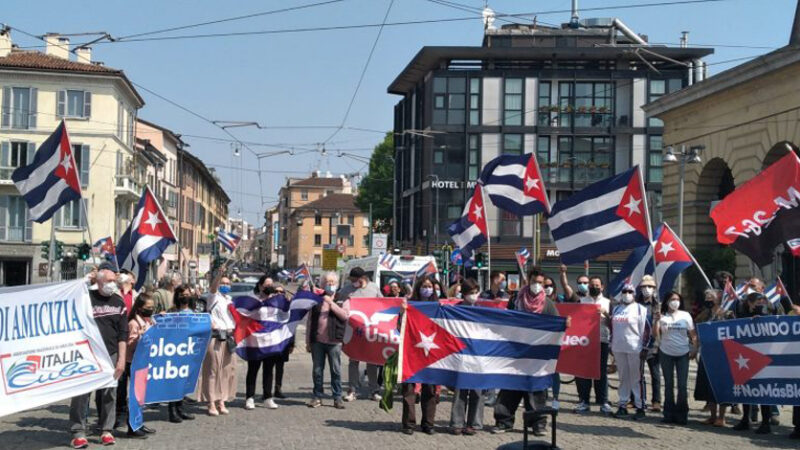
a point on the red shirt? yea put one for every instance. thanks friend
(128, 299)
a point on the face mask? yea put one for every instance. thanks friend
(146, 312)
(627, 298)
(502, 285)
(471, 298)
(594, 291)
(108, 289)
(330, 290)
(583, 288)
(673, 305)
(548, 290)
(708, 304)
(426, 292)
(648, 291)
(438, 293)
(224, 289)
(536, 288)
(458, 294)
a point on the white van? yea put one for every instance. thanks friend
(405, 268)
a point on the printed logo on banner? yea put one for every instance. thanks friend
(371, 334)
(580, 346)
(48, 366)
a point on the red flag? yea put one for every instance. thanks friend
(580, 347)
(371, 335)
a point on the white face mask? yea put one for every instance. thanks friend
(548, 290)
(471, 298)
(536, 288)
(673, 305)
(108, 289)
(648, 291)
(627, 298)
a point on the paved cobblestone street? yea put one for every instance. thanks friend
(362, 425)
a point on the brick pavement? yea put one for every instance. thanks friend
(364, 426)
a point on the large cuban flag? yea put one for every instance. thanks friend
(265, 327)
(608, 216)
(471, 231)
(753, 361)
(672, 258)
(479, 348)
(514, 183)
(146, 238)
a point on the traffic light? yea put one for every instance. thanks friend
(84, 251)
(46, 249)
(59, 250)
(480, 260)
(438, 255)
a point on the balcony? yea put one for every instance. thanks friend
(127, 187)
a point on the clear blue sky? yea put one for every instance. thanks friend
(300, 79)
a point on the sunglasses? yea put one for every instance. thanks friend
(627, 292)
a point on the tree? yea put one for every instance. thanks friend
(376, 186)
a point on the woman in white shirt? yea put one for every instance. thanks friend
(218, 376)
(630, 340)
(677, 345)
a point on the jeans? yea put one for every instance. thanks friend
(670, 367)
(508, 401)
(354, 377)
(79, 409)
(655, 377)
(600, 386)
(467, 409)
(333, 352)
(253, 367)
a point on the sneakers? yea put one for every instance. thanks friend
(606, 409)
(377, 397)
(499, 430)
(107, 439)
(79, 442)
(350, 396)
(582, 407)
(270, 404)
(639, 414)
(250, 403)
(314, 403)
(621, 412)
(407, 431)
(338, 404)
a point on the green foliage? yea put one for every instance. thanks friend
(376, 186)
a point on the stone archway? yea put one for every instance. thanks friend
(713, 184)
(777, 151)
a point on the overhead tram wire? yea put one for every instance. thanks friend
(363, 73)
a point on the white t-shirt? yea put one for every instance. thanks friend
(628, 324)
(221, 317)
(674, 328)
(605, 306)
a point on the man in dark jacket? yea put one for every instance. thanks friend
(324, 334)
(111, 318)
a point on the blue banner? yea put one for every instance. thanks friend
(753, 361)
(167, 361)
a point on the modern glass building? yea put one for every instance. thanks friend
(571, 95)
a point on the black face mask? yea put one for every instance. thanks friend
(708, 304)
(146, 312)
(594, 291)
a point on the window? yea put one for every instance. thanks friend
(543, 155)
(19, 107)
(74, 103)
(14, 223)
(317, 261)
(544, 104)
(586, 104)
(565, 104)
(82, 162)
(512, 102)
(584, 159)
(351, 240)
(475, 101)
(474, 164)
(317, 240)
(655, 145)
(510, 224)
(365, 222)
(70, 215)
(120, 118)
(512, 144)
(365, 241)
(658, 88)
(317, 219)
(351, 219)
(14, 155)
(304, 194)
(449, 151)
(449, 102)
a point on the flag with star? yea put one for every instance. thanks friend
(608, 216)
(471, 231)
(671, 257)
(146, 238)
(49, 179)
(514, 183)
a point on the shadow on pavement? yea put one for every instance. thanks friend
(355, 425)
(602, 430)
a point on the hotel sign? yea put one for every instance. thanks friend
(452, 184)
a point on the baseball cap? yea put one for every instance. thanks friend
(106, 265)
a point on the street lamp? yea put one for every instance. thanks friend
(684, 156)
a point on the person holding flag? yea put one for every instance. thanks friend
(631, 340)
(218, 376)
(647, 295)
(466, 414)
(702, 387)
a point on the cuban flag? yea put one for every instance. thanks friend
(228, 239)
(672, 258)
(514, 183)
(729, 297)
(776, 291)
(638, 264)
(428, 269)
(608, 216)
(522, 256)
(265, 327)
(51, 180)
(302, 273)
(387, 261)
(105, 248)
(741, 289)
(146, 238)
(471, 231)
(284, 274)
(479, 348)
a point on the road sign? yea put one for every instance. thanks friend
(379, 243)
(342, 248)
(330, 256)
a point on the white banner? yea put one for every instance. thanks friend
(50, 347)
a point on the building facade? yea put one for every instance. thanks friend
(743, 118)
(99, 105)
(570, 95)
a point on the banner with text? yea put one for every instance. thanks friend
(167, 361)
(371, 334)
(580, 346)
(50, 347)
(753, 361)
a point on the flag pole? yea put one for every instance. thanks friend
(488, 228)
(649, 224)
(51, 254)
